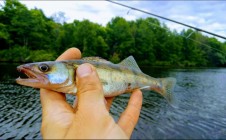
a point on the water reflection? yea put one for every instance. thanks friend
(200, 113)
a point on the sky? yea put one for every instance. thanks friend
(208, 15)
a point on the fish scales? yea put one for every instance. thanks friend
(117, 79)
(116, 82)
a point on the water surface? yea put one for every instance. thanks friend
(201, 111)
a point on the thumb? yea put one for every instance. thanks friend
(90, 91)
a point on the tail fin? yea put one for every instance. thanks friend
(166, 89)
(167, 92)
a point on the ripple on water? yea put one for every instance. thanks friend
(20, 112)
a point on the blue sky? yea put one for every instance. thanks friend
(207, 15)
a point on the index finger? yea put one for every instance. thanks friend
(130, 116)
(70, 54)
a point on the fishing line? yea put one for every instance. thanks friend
(204, 44)
(149, 13)
(189, 34)
(188, 37)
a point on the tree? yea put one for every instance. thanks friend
(193, 54)
(4, 36)
(25, 27)
(119, 38)
(144, 42)
(216, 55)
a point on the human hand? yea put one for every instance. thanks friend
(90, 118)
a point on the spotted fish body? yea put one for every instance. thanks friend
(115, 78)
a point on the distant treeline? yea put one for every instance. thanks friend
(28, 35)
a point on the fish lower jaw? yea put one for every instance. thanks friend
(19, 80)
(36, 83)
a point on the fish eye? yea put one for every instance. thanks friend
(43, 67)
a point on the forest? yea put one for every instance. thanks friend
(29, 36)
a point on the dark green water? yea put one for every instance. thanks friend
(201, 111)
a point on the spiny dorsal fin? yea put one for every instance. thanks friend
(130, 62)
(96, 59)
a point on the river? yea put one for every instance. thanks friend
(200, 94)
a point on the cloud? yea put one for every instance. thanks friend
(96, 11)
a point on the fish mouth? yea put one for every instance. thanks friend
(33, 79)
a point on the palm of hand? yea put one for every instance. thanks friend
(65, 122)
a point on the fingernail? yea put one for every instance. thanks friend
(84, 70)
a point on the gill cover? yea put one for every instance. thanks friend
(58, 74)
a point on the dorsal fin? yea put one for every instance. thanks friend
(96, 59)
(130, 62)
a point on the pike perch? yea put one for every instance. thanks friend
(116, 78)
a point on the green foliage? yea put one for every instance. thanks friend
(28, 35)
(119, 38)
(17, 54)
(23, 54)
(42, 55)
(115, 58)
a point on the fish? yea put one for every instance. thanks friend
(116, 79)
